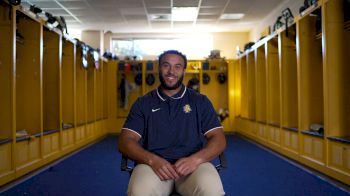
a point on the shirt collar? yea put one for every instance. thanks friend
(178, 95)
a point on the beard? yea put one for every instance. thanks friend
(173, 87)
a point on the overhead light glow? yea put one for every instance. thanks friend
(236, 16)
(184, 13)
(159, 17)
(75, 33)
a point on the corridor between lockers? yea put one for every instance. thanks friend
(251, 171)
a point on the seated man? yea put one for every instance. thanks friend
(173, 133)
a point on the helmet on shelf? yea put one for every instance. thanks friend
(150, 79)
(221, 78)
(206, 78)
(138, 79)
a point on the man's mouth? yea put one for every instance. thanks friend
(170, 78)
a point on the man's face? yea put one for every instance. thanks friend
(171, 71)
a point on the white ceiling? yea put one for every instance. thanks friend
(134, 15)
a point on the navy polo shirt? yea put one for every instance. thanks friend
(172, 127)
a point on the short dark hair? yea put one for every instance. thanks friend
(173, 52)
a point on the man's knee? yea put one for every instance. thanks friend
(140, 190)
(148, 189)
(212, 189)
(209, 186)
(204, 181)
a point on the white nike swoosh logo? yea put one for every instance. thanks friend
(154, 110)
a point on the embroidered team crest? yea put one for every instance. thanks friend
(187, 108)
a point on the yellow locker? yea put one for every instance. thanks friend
(6, 158)
(313, 148)
(28, 152)
(339, 156)
(290, 140)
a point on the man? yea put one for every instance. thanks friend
(172, 133)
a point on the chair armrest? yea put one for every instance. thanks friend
(223, 162)
(124, 165)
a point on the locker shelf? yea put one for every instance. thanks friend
(312, 133)
(293, 129)
(261, 122)
(5, 141)
(28, 138)
(273, 124)
(344, 139)
(48, 132)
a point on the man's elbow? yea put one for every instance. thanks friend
(120, 145)
(126, 142)
(218, 140)
(223, 143)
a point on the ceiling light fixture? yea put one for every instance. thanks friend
(159, 17)
(235, 16)
(184, 13)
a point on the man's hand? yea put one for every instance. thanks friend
(187, 165)
(129, 146)
(163, 169)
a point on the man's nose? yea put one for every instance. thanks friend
(171, 69)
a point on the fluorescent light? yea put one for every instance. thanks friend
(184, 13)
(232, 16)
(160, 17)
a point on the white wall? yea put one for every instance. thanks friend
(227, 42)
(75, 33)
(269, 20)
(93, 38)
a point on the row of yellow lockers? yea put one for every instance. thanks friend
(291, 84)
(327, 156)
(25, 155)
(50, 104)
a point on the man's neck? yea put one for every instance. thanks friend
(171, 93)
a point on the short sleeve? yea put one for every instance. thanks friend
(209, 119)
(135, 120)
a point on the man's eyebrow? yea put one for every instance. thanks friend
(166, 62)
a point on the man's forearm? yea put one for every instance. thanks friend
(129, 146)
(215, 146)
(134, 151)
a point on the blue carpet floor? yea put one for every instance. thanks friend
(252, 171)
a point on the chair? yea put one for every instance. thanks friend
(124, 166)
